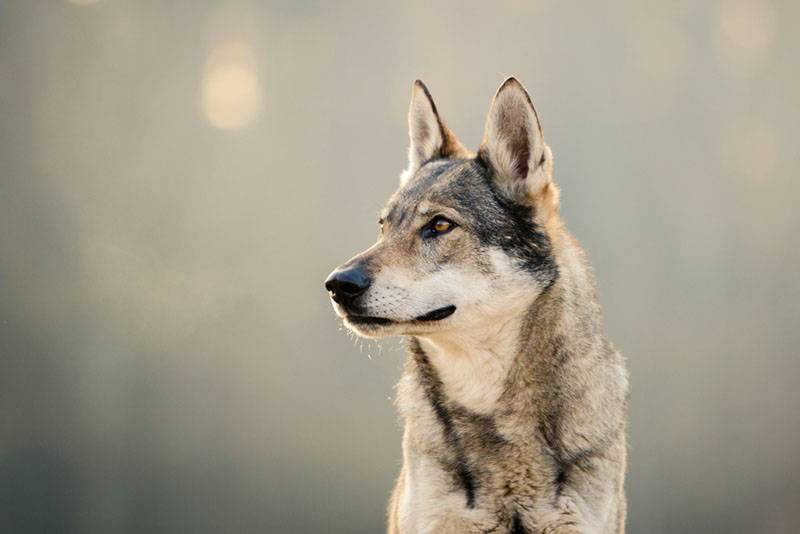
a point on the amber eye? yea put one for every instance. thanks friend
(438, 226)
(441, 225)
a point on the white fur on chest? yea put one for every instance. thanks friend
(473, 378)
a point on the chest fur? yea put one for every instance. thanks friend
(476, 462)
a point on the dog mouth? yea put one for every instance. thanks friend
(368, 320)
(438, 314)
(435, 315)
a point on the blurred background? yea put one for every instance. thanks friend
(178, 178)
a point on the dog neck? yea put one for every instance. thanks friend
(473, 366)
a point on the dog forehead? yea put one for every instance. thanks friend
(448, 182)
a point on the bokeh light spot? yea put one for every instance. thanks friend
(745, 30)
(231, 96)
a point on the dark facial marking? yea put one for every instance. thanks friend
(498, 221)
(468, 186)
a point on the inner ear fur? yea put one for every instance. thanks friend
(429, 136)
(513, 147)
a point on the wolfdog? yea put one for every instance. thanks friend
(513, 399)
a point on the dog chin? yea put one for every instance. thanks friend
(369, 328)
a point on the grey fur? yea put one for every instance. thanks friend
(546, 453)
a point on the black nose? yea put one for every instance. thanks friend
(347, 284)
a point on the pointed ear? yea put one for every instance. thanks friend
(429, 136)
(513, 144)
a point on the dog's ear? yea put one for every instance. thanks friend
(428, 134)
(513, 145)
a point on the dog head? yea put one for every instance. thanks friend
(467, 238)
